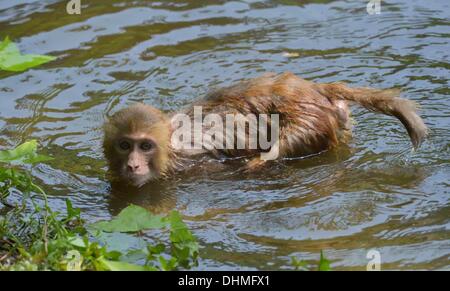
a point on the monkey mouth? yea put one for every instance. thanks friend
(138, 180)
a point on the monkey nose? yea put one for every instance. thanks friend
(133, 168)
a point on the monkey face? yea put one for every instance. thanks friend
(136, 144)
(137, 155)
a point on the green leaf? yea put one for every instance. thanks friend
(36, 159)
(168, 265)
(77, 242)
(156, 250)
(134, 255)
(113, 255)
(324, 263)
(299, 264)
(18, 179)
(184, 244)
(12, 60)
(123, 266)
(72, 212)
(23, 154)
(179, 230)
(131, 219)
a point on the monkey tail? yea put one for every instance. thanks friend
(383, 101)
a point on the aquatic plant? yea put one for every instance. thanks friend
(34, 237)
(12, 60)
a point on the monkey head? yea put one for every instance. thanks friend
(136, 144)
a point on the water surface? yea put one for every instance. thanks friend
(374, 193)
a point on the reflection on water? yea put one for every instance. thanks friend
(373, 193)
(157, 197)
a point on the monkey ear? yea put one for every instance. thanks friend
(109, 128)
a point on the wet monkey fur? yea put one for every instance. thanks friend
(313, 117)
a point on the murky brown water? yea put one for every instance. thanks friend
(373, 193)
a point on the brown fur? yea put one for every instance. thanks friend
(382, 101)
(140, 119)
(313, 117)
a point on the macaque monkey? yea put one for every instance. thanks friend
(311, 118)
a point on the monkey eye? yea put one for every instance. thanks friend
(124, 145)
(146, 146)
